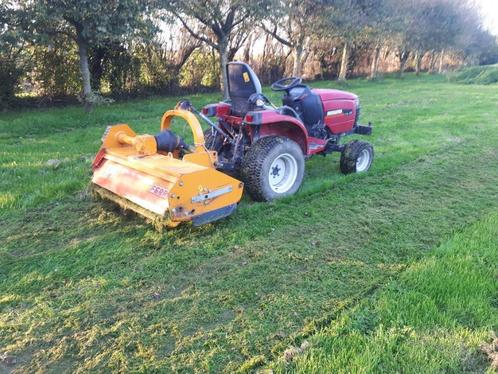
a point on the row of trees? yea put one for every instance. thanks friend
(94, 47)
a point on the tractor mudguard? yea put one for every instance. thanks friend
(271, 123)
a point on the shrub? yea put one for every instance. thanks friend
(10, 76)
(487, 74)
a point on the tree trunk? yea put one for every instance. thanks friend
(344, 62)
(403, 57)
(298, 55)
(418, 62)
(375, 63)
(441, 62)
(431, 63)
(247, 50)
(223, 51)
(322, 67)
(85, 71)
(96, 65)
(401, 67)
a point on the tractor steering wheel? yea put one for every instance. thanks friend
(286, 84)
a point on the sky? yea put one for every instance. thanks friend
(490, 14)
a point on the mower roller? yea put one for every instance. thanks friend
(251, 139)
(162, 178)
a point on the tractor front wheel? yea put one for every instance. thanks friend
(356, 157)
(273, 168)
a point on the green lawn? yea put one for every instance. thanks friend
(434, 319)
(85, 289)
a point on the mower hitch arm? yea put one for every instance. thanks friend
(187, 105)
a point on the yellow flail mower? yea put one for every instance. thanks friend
(162, 178)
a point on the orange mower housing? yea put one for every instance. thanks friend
(166, 188)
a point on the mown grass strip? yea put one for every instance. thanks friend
(85, 289)
(210, 299)
(433, 319)
(411, 117)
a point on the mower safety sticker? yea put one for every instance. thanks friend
(245, 75)
(159, 191)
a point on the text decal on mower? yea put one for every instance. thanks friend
(159, 191)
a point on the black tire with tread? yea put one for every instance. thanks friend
(257, 161)
(350, 154)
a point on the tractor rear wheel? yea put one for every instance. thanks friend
(356, 157)
(273, 168)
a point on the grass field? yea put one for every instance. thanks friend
(435, 318)
(85, 289)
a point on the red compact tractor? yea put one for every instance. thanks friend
(266, 145)
(170, 182)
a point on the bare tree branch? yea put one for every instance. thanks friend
(193, 33)
(276, 36)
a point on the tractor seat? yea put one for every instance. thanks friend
(306, 103)
(242, 83)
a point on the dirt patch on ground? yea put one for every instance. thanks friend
(292, 352)
(491, 351)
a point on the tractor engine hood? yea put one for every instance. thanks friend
(330, 94)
